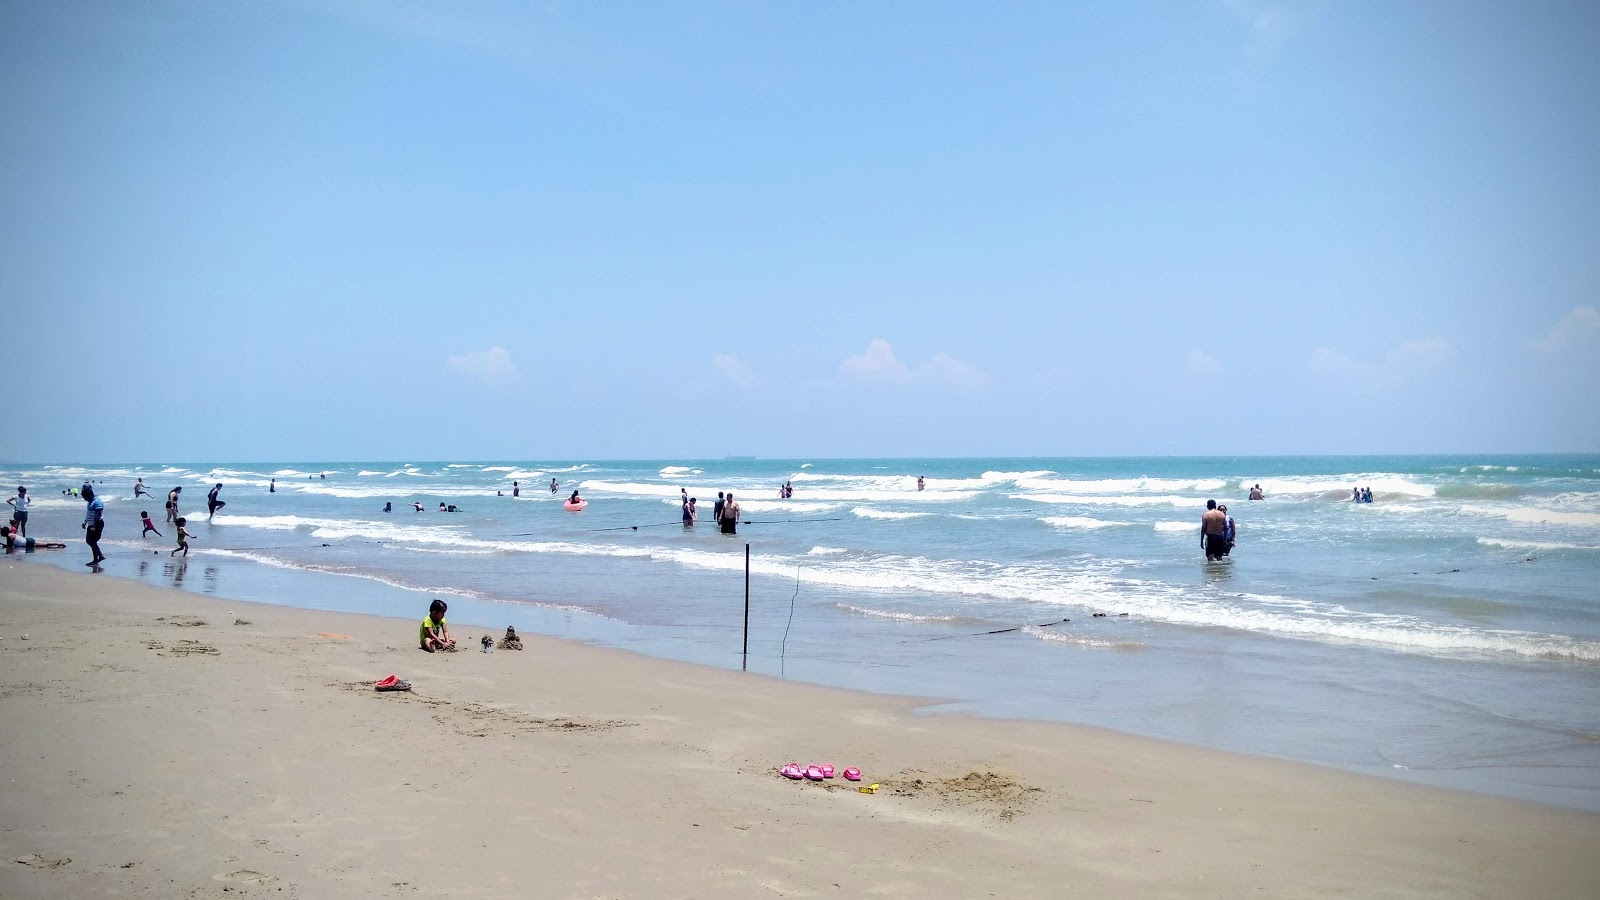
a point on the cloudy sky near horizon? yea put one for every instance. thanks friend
(297, 230)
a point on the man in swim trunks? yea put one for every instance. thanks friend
(1214, 531)
(730, 515)
(1255, 493)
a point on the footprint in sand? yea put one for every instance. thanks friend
(245, 876)
(40, 862)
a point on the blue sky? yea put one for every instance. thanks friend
(492, 230)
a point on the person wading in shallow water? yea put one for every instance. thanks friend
(730, 515)
(94, 523)
(1214, 531)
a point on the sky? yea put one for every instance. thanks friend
(359, 230)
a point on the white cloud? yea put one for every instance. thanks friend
(1578, 330)
(947, 370)
(737, 371)
(878, 365)
(1203, 365)
(1406, 361)
(489, 366)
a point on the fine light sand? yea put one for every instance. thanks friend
(153, 746)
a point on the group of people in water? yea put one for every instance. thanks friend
(1361, 495)
(725, 511)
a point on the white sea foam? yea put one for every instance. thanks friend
(365, 473)
(1079, 522)
(1056, 636)
(820, 550)
(679, 471)
(1511, 544)
(867, 512)
(835, 495)
(1094, 500)
(1118, 485)
(1537, 516)
(1169, 527)
(499, 468)
(1383, 485)
(890, 614)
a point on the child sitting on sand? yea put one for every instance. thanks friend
(149, 526)
(435, 636)
(183, 538)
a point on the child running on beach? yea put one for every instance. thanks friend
(435, 636)
(183, 538)
(149, 526)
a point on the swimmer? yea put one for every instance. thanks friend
(553, 486)
(1256, 494)
(417, 506)
(920, 483)
(574, 498)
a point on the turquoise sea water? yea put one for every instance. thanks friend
(1448, 632)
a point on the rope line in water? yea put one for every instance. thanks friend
(946, 637)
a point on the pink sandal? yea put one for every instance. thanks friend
(827, 770)
(792, 770)
(814, 773)
(852, 774)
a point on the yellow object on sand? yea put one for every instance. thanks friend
(869, 789)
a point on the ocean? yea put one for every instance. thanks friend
(1447, 632)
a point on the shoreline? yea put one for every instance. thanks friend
(152, 765)
(396, 601)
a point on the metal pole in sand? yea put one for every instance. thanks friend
(744, 665)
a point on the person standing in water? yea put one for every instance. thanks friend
(688, 513)
(140, 490)
(273, 487)
(20, 503)
(554, 486)
(1255, 493)
(1213, 531)
(94, 523)
(1228, 532)
(730, 515)
(920, 483)
(516, 489)
(716, 508)
(172, 503)
(212, 503)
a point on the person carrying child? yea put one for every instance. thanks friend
(149, 525)
(183, 538)
(434, 634)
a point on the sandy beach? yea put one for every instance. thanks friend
(163, 744)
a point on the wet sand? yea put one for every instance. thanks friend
(158, 743)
